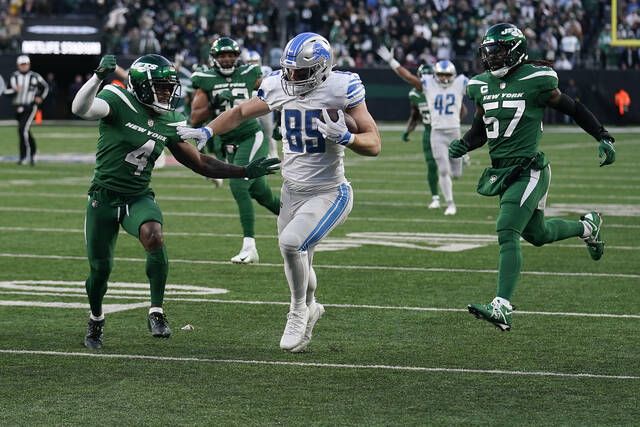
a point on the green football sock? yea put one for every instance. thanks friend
(540, 231)
(96, 283)
(262, 194)
(157, 269)
(432, 176)
(510, 263)
(240, 191)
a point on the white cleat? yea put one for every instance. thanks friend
(316, 310)
(295, 329)
(435, 203)
(451, 209)
(246, 256)
(217, 182)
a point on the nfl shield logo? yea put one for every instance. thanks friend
(493, 178)
(150, 122)
(94, 203)
(503, 85)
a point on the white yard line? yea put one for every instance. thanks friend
(348, 306)
(319, 365)
(338, 267)
(270, 216)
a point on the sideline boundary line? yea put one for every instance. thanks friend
(318, 364)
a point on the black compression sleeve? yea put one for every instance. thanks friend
(581, 114)
(476, 136)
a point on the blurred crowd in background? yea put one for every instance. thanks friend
(569, 33)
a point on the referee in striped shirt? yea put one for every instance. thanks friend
(29, 90)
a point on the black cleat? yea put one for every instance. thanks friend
(158, 325)
(93, 339)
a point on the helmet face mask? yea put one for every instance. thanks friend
(306, 62)
(503, 48)
(445, 73)
(153, 80)
(224, 55)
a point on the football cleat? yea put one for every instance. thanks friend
(497, 314)
(295, 329)
(95, 332)
(316, 310)
(451, 209)
(435, 203)
(158, 325)
(246, 256)
(594, 242)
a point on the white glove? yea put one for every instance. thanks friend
(199, 135)
(387, 56)
(335, 132)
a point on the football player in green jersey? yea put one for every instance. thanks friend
(220, 88)
(510, 98)
(420, 111)
(135, 125)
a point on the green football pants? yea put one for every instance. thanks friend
(522, 215)
(106, 211)
(432, 167)
(244, 189)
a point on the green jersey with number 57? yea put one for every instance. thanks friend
(513, 108)
(131, 139)
(241, 83)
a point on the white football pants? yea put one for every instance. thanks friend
(305, 219)
(440, 141)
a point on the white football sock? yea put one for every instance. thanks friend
(296, 268)
(248, 243)
(502, 301)
(96, 318)
(447, 187)
(587, 229)
(156, 310)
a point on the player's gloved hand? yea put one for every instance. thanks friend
(335, 132)
(199, 135)
(384, 53)
(606, 150)
(223, 97)
(405, 137)
(106, 66)
(262, 166)
(458, 148)
(276, 133)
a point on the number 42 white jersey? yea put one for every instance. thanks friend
(309, 161)
(445, 103)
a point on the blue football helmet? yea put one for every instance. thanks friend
(445, 72)
(306, 62)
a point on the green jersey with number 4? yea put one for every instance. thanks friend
(241, 84)
(420, 101)
(131, 139)
(513, 108)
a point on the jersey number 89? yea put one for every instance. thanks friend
(302, 134)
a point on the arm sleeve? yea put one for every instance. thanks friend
(581, 114)
(476, 136)
(44, 87)
(86, 105)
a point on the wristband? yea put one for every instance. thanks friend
(394, 64)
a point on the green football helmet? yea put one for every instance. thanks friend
(424, 70)
(503, 47)
(226, 64)
(153, 80)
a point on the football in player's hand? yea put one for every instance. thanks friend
(348, 120)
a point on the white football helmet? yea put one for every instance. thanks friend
(306, 62)
(251, 57)
(444, 72)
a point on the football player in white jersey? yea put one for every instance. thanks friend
(444, 90)
(316, 197)
(266, 121)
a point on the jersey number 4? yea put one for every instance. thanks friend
(303, 134)
(443, 104)
(140, 157)
(493, 124)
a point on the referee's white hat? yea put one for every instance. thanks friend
(23, 59)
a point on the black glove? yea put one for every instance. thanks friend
(405, 137)
(106, 66)
(606, 150)
(276, 133)
(458, 148)
(261, 166)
